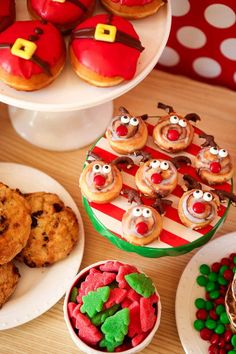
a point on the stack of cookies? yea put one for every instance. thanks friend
(37, 229)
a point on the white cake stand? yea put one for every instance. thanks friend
(70, 113)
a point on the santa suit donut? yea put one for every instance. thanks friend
(7, 13)
(133, 9)
(141, 225)
(32, 55)
(198, 208)
(214, 165)
(127, 133)
(64, 14)
(104, 50)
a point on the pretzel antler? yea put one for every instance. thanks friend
(191, 183)
(133, 196)
(123, 110)
(160, 204)
(223, 195)
(209, 140)
(145, 155)
(168, 109)
(94, 156)
(194, 117)
(181, 160)
(123, 160)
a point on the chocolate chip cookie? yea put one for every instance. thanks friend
(54, 230)
(9, 277)
(15, 223)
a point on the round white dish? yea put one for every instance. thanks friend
(188, 291)
(81, 344)
(39, 288)
(69, 93)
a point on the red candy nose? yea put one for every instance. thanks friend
(156, 178)
(199, 207)
(141, 228)
(173, 134)
(99, 180)
(121, 130)
(215, 167)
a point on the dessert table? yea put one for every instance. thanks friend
(217, 107)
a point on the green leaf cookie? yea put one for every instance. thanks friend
(115, 328)
(99, 318)
(141, 284)
(73, 294)
(109, 345)
(94, 300)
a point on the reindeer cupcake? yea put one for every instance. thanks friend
(101, 182)
(173, 132)
(213, 164)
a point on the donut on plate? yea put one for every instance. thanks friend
(127, 133)
(7, 13)
(101, 182)
(142, 224)
(197, 208)
(157, 177)
(104, 50)
(133, 9)
(64, 14)
(214, 164)
(32, 55)
(173, 132)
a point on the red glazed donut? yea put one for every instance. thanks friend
(102, 61)
(7, 13)
(133, 9)
(64, 15)
(45, 47)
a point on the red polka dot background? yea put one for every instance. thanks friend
(202, 42)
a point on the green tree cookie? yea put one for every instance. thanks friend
(94, 300)
(115, 329)
(141, 284)
(99, 318)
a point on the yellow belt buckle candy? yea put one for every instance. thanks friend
(23, 49)
(106, 33)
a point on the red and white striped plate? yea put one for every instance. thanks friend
(174, 233)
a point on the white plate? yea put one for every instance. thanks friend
(69, 93)
(188, 291)
(38, 289)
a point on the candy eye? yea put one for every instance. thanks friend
(97, 168)
(155, 163)
(198, 194)
(164, 165)
(207, 197)
(214, 150)
(223, 153)
(137, 212)
(147, 213)
(124, 119)
(134, 121)
(174, 119)
(106, 168)
(183, 123)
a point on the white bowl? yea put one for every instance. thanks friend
(86, 348)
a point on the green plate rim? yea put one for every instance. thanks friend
(151, 252)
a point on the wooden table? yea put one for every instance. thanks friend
(217, 107)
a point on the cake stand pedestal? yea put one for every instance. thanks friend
(70, 113)
(59, 130)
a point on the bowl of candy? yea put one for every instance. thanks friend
(112, 307)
